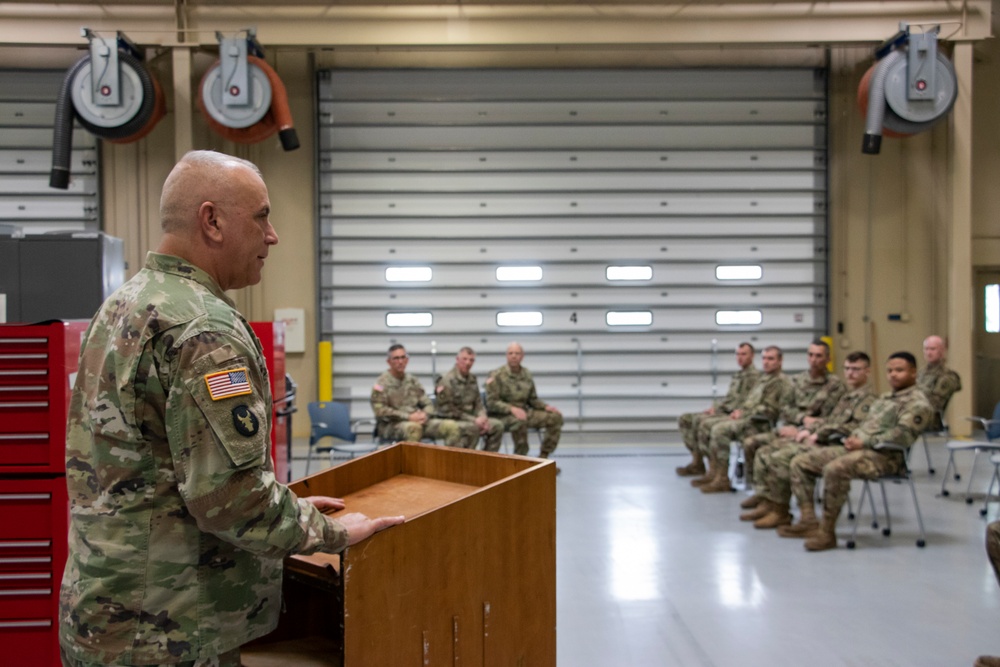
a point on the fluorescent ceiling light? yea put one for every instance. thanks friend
(408, 319)
(414, 274)
(745, 272)
(519, 273)
(627, 318)
(528, 318)
(745, 317)
(629, 273)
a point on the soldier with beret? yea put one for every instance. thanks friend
(178, 527)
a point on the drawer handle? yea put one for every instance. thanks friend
(26, 404)
(26, 544)
(24, 356)
(24, 371)
(24, 436)
(25, 560)
(43, 623)
(25, 496)
(29, 387)
(25, 576)
(27, 591)
(11, 341)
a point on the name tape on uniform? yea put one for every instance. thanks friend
(228, 383)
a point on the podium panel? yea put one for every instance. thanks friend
(468, 578)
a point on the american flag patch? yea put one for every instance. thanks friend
(228, 383)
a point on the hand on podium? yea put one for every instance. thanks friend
(360, 527)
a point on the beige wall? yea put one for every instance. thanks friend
(891, 215)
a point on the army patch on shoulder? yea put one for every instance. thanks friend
(245, 421)
(224, 384)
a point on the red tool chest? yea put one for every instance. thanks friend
(38, 364)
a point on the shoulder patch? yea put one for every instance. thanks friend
(245, 421)
(439, 389)
(224, 384)
(378, 387)
(489, 379)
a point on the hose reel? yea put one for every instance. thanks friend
(909, 89)
(242, 98)
(111, 94)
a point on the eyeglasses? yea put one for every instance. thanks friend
(398, 358)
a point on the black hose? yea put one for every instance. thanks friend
(62, 131)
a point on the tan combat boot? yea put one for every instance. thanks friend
(696, 467)
(806, 526)
(763, 509)
(778, 516)
(825, 536)
(750, 502)
(708, 476)
(720, 483)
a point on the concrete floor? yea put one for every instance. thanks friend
(652, 572)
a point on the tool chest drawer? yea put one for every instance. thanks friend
(34, 514)
(37, 366)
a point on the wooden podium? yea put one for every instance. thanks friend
(468, 579)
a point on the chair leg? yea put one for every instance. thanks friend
(865, 491)
(972, 474)
(309, 460)
(994, 480)
(920, 519)
(948, 469)
(871, 504)
(887, 531)
(927, 453)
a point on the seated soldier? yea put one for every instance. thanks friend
(459, 398)
(740, 386)
(403, 411)
(511, 398)
(813, 395)
(772, 477)
(936, 380)
(897, 417)
(755, 414)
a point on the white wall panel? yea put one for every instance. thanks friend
(681, 171)
(27, 111)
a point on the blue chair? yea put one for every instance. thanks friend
(332, 419)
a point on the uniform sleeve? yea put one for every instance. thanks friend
(910, 422)
(533, 400)
(496, 406)
(943, 389)
(477, 404)
(218, 428)
(771, 400)
(424, 402)
(828, 402)
(444, 393)
(381, 408)
(732, 398)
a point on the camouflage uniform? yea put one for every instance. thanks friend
(758, 411)
(459, 398)
(178, 526)
(938, 382)
(743, 381)
(772, 474)
(394, 400)
(808, 397)
(506, 389)
(896, 417)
